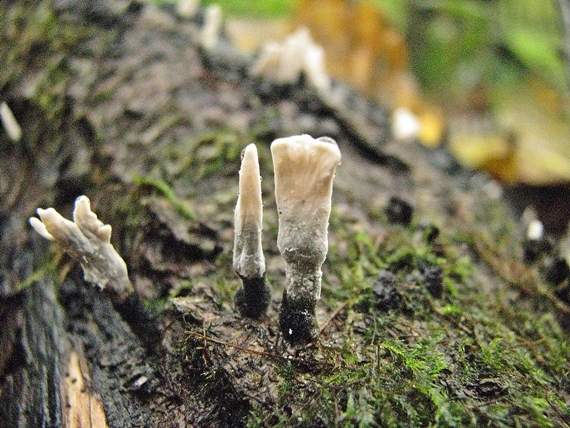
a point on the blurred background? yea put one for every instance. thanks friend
(489, 79)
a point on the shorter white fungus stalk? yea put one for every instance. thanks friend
(249, 262)
(88, 241)
(304, 172)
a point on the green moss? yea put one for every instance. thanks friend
(156, 304)
(260, 9)
(457, 360)
(49, 267)
(213, 153)
(165, 190)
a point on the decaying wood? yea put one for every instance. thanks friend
(116, 100)
(83, 407)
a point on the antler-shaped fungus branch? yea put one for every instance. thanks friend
(87, 240)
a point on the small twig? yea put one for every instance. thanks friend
(414, 330)
(332, 317)
(450, 319)
(531, 348)
(241, 348)
(487, 403)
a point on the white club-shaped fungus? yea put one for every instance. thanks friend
(213, 23)
(10, 123)
(304, 172)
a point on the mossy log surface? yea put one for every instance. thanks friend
(428, 315)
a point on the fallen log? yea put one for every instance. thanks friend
(428, 315)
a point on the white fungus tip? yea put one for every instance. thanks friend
(304, 166)
(249, 159)
(104, 233)
(40, 228)
(88, 221)
(405, 124)
(249, 206)
(82, 211)
(535, 230)
(213, 20)
(187, 8)
(55, 224)
(41, 212)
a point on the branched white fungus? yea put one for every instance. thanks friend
(285, 62)
(87, 240)
(249, 261)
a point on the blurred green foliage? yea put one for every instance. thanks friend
(458, 45)
(255, 9)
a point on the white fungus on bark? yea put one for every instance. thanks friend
(535, 230)
(249, 261)
(87, 240)
(187, 8)
(212, 29)
(405, 124)
(10, 123)
(304, 172)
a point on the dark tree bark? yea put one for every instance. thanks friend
(117, 101)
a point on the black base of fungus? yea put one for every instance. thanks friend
(297, 321)
(253, 299)
(142, 322)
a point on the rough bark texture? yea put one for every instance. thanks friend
(428, 314)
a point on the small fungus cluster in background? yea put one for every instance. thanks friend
(304, 172)
(298, 54)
